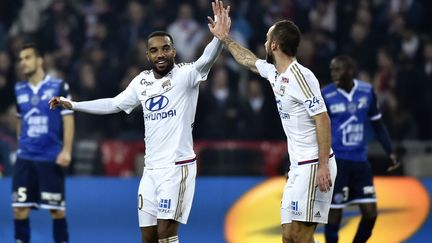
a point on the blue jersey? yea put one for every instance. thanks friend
(350, 115)
(41, 133)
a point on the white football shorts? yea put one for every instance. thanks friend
(302, 200)
(166, 193)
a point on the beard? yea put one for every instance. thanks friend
(162, 72)
(29, 73)
(269, 58)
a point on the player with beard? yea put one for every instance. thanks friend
(168, 94)
(308, 191)
(44, 147)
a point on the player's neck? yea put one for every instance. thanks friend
(348, 86)
(36, 77)
(282, 62)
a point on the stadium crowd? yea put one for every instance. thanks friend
(98, 46)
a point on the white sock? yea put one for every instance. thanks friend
(171, 239)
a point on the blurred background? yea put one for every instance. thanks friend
(98, 46)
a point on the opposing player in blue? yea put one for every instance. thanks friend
(353, 109)
(44, 147)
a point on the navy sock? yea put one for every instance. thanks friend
(364, 230)
(331, 233)
(22, 230)
(60, 231)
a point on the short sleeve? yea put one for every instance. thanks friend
(307, 91)
(128, 99)
(374, 110)
(65, 92)
(264, 68)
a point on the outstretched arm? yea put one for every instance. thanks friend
(220, 29)
(98, 107)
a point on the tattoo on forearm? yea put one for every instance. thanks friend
(242, 55)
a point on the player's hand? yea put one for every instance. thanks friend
(220, 26)
(64, 158)
(395, 163)
(60, 101)
(323, 178)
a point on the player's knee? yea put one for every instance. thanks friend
(21, 212)
(167, 228)
(287, 238)
(57, 214)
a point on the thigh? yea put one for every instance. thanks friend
(362, 189)
(303, 201)
(175, 193)
(51, 178)
(147, 202)
(25, 189)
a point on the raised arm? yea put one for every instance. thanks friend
(220, 29)
(209, 56)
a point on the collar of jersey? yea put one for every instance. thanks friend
(36, 88)
(349, 95)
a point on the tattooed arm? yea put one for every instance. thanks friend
(242, 55)
(220, 29)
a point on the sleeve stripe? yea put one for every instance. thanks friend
(303, 78)
(301, 84)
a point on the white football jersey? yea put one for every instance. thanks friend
(298, 99)
(169, 106)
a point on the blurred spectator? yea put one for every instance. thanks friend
(8, 141)
(323, 16)
(6, 82)
(98, 45)
(162, 13)
(258, 119)
(186, 32)
(360, 46)
(385, 76)
(133, 28)
(217, 109)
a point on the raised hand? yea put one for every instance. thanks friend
(220, 26)
(60, 101)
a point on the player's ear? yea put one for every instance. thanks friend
(40, 61)
(148, 56)
(274, 45)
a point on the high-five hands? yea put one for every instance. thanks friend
(220, 26)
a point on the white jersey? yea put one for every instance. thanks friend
(298, 99)
(169, 106)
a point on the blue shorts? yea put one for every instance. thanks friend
(354, 183)
(38, 184)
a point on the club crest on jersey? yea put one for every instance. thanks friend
(352, 107)
(166, 85)
(156, 103)
(35, 100)
(282, 90)
(284, 80)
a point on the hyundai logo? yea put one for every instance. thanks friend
(156, 103)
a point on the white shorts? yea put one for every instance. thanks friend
(302, 200)
(166, 193)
